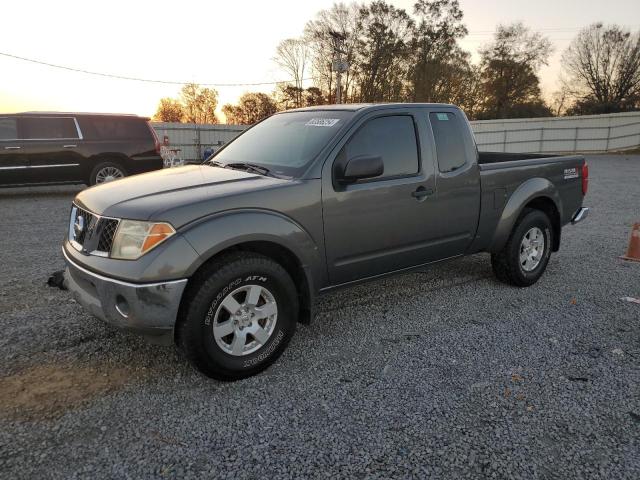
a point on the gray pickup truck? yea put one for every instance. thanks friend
(224, 258)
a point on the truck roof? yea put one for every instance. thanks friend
(352, 107)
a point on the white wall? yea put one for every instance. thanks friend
(193, 139)
(589, 133)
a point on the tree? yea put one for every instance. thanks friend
(251, 108)
(440, 69)
(199, 103)
(602, 69)
(169, 110)
(382, 52)
(313, 96)
(286, 96)
(510, 84)
(292, 56)
(319, 33)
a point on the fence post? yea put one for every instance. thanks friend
(540, 150)
(504, 141)
(575, 141)
(198, 144)
(606, 149)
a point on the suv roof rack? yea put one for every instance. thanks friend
(77, 113)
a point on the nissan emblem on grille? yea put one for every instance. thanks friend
(91, 233)
(78, 226)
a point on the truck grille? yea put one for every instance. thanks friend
(91, 233)
(109, 227)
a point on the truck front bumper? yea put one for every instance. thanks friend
(149, 309)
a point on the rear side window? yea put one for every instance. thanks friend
(8, 129)
(449, 142)
(393, 138)
(114, 128)
(42, 128)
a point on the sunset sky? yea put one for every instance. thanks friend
(213, 42)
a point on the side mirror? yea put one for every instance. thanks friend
(360, 167)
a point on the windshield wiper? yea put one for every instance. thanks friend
(215, 163)
(247, 167)
(250, 167)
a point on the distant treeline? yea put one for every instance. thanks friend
(390, 55)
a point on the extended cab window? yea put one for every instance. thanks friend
(8, 129)
(447, 132)
(42, 128)
(393, 138)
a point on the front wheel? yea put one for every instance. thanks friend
(524, 258)
(238, 316)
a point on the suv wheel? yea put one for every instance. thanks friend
(106, 172)
(524, 258)
(238, 316)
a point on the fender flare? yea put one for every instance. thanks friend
(530, 190)
(213, 234)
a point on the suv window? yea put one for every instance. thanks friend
(450, 149)
(393, 138)
(8, 129)
(114, 128)
(43, 128)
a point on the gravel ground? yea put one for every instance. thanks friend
(443, 373)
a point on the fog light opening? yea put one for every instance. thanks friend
(122, 306)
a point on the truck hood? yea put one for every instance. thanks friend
(149, 195)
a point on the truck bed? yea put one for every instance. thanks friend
(502, 174)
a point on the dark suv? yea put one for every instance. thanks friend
(54, 148)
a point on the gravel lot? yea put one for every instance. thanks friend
(444, 373)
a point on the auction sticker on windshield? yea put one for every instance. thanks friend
(322, 122)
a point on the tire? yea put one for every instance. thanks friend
(205, 311)
(104, 168)
(509, 266)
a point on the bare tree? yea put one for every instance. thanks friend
(292, 56)
(602, 68)
(341, 19)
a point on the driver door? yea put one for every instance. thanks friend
(386, 223)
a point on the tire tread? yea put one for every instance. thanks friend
(504, 267)
(198, 292)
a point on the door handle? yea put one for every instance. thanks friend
(69, 146)
(421, 193)
(12, 148)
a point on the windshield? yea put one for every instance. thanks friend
(285, 143)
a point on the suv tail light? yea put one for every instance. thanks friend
(155, 137)
(585, 178)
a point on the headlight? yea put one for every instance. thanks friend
(133, 238)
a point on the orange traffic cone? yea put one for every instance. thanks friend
(633, 252)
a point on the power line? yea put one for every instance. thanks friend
(475, 33)
(137, 79)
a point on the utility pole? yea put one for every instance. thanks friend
(338, 84)
(339, 66)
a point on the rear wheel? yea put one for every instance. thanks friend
(524, 258)
(238, 316)
(106, 172)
